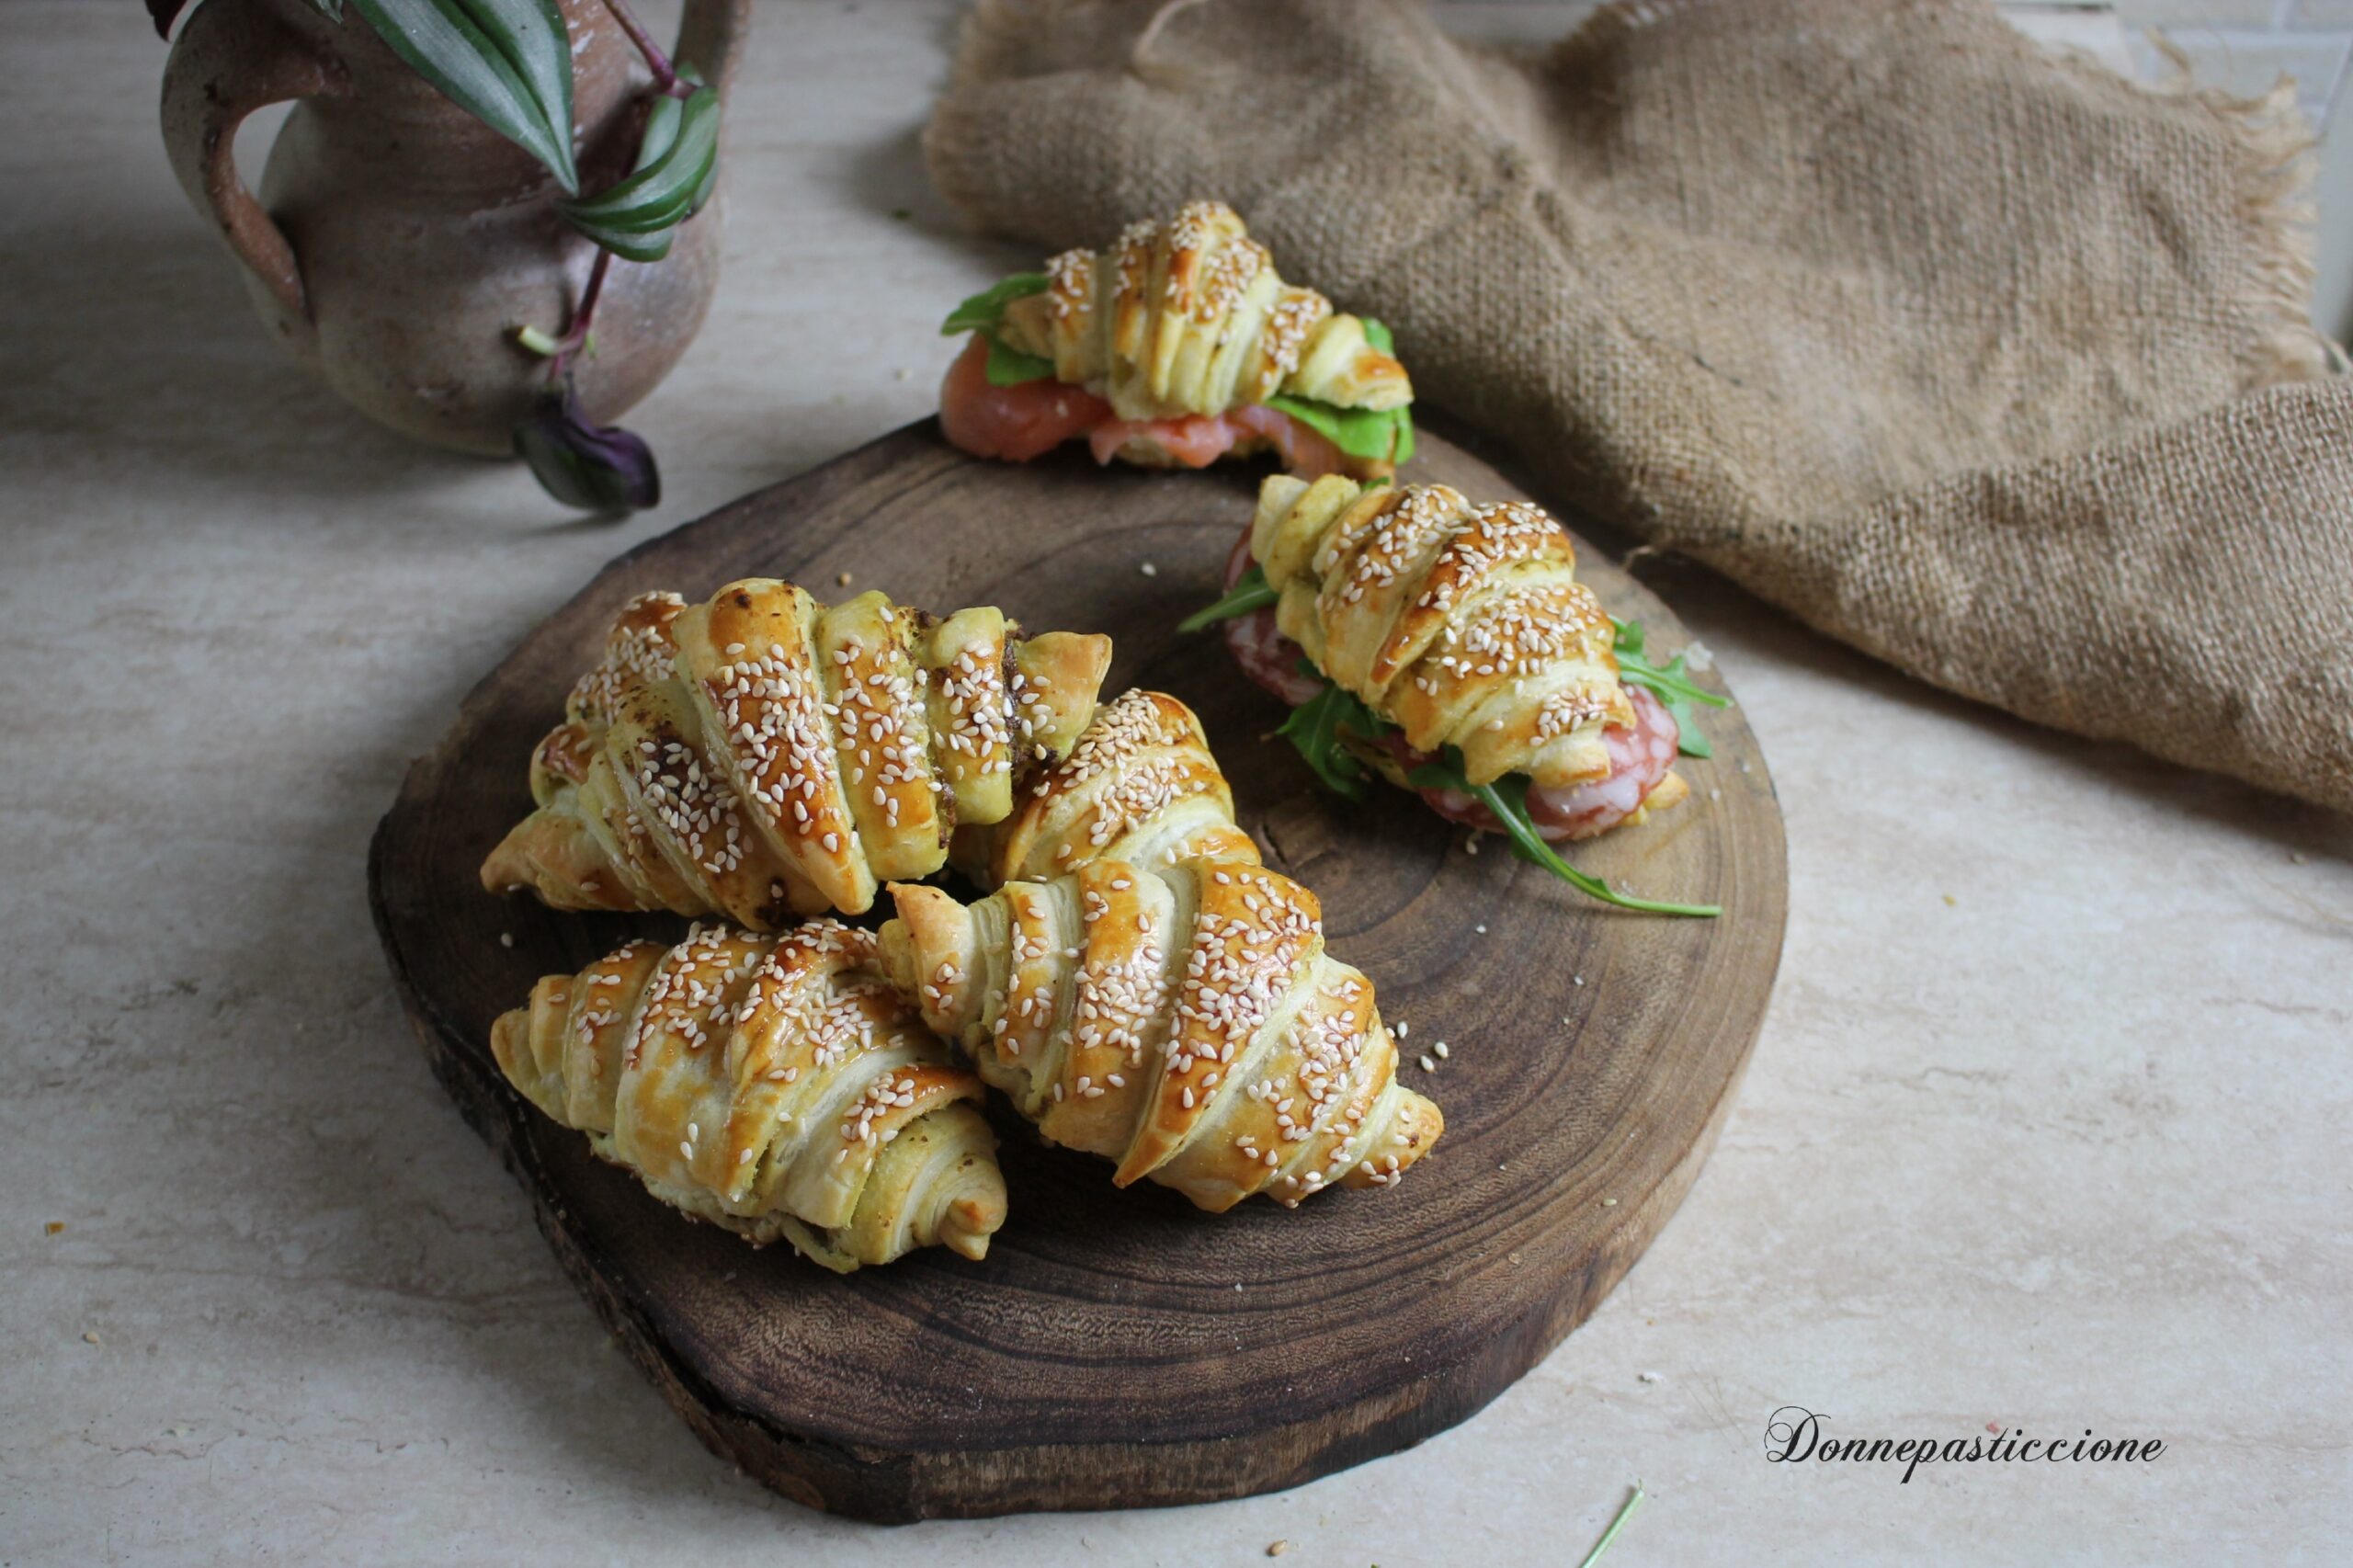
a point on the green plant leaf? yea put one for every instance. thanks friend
(1251, 591)
(1507, 802)
(1669, 683)
(1360, 432)
(635, 218)
(980, 312)
(1010, 367)
(508, 63)
(1315, 728)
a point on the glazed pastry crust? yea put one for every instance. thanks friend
(774, 1086)
(1191, 317)
(1140, 784)
(1185, 1022)
(764, 755)
(1463, 625)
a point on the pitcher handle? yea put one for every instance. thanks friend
(231, 58)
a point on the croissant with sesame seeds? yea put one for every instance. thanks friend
(773, 1085)
(763, 756)
(1459, 626)
(1184, 1022)
(1175, 345)
(1140, 784)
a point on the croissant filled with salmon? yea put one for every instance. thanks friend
(763, 756)
(773, 1085)
(1171, 347)
(1184, 1022)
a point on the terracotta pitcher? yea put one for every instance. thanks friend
(399, 241)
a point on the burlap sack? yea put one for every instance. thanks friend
(1990, 363)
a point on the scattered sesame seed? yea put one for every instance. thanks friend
(506, 939)
(1149, 569)
(1427, 1064)
(89, 1337)
(1439, 1051)
(1650, 1377)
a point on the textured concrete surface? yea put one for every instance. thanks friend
(2046, 1126)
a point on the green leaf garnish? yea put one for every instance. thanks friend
(1506, 799)
(676, 165)
(1250, 591)
(980, 312)
(1360, 432)
(1010, 367)
(1315, 728)
(506, 63)
(1669, 683)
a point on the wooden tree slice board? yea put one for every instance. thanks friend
(1119, 1348)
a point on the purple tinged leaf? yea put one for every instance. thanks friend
(594, 468)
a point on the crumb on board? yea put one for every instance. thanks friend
(842, 579)
(1609, 1203)
(54, 1228)
(506, 939)
(1277, 1548)
(1650, 1377)
(1149, 569)
(1951, 902)
(89, 1336)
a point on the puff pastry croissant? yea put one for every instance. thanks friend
(1140, 784)
(762, 756)
(1185, 1022)
(1188, 345)
(774, 1085)
(1461, 626)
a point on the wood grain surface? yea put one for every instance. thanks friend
(1119, 1348)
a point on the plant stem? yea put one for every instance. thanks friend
(665, 74)
(582, 315)
(1624, 1513)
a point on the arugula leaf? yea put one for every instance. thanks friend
(980, 312)
(1009, 366)
(1360, 432)
(1251, 591)
(1315, 728)
(1669, 683)
(1506, 800)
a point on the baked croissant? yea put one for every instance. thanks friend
(761, 755)
(1187, 345)
(1140, 784)
(1183, 1022)
(774, 1085)
(1462, 627)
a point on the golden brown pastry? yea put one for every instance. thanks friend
(1185, 1022)
(1175, 345)
(1190, 317)
(762, 756)
(1138, 784)
(774, 1085)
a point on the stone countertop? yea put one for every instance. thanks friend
(2045, 1127)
